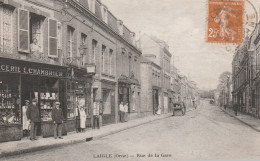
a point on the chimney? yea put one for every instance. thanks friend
(120, 27)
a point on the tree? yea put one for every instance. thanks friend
(224, 78)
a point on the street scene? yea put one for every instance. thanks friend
(129, 80)
(202, 134)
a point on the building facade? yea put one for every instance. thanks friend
(157, 51)
(63, 51)
(151, 86)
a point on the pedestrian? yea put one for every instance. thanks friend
(235, 109)
(33, 115)
(126, 112)
(96, 115)
(122, 112)
(26, 122)
(159, 110)
(83, 118)
(57, 118)
(77, 119)
(183, 108)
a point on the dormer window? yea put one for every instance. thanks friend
(92, 5)
(120, 26)
(133, 38)
(104, 12)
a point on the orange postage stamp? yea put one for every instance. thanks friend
(225, 21)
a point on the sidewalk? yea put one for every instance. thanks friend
(252, 122)
(26, 146)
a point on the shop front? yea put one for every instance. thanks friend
(155, 99)
(108, 103)
(165, 102)
(22, 80)
(78, 94)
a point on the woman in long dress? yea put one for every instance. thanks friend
(26, 122)
(159, 110)
(83, 117)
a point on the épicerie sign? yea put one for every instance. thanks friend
(30, 70)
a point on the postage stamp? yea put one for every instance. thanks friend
(225, 21)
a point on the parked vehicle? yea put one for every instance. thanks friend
(212, 102)
(179, 107)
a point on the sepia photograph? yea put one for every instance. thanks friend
(129, 80)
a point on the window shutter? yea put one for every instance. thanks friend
(53, 38)
(23, 31)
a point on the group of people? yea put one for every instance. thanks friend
(123, 109)
(31, 119)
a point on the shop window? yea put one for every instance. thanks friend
(6, 30)
(48, 94)
(10, 107)
(103, 58)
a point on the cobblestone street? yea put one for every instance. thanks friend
(205, 133)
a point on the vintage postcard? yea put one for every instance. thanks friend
(129, 80)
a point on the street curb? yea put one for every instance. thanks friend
(251, 126)
(44, 147)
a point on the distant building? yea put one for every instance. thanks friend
(157, 51)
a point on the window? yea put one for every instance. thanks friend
(70, 41)
(53, 38)
(103, 58)
(122, 61)
(104, 13)
(135, 67)
(30, 33)
(83, 43)
(129, 66)
(111, 66)
(23, 31)
(92, 5)
(6, 32)
(94, 49)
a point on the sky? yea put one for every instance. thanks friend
(183, 25)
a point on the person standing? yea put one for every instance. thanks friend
(159, 110)
(122, 112)
(57, 118)
(83, 117)
(96, 115)
(126, 112)
(26, 122)
(77, 119)
(183, 108)
(194, 102)
(33, 115)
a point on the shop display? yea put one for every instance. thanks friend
(70, 107)
(9, 106)
(47, 103)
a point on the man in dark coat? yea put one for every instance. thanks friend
(57, 118)
(33, 115)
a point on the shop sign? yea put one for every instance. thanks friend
(30, 70)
